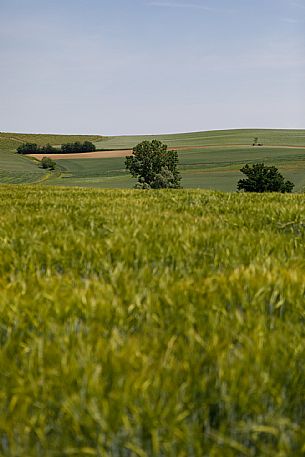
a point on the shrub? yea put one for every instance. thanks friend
(48, 163)
(261, 178)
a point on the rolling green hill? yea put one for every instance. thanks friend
(17, 169)
(11, 141)
(209, 160)
(151, 324)
(216, 137)
(209, 167)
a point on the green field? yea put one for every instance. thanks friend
(210, 168)
(269, 137)
(215, 166)
(151, 324)
(15, 169)
(21, 170)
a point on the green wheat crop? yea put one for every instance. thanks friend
(151, 324)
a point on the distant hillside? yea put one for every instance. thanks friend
(210, 160)
(275, 137)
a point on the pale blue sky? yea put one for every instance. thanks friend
(150, 66)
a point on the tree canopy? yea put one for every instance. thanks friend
(261, 178)
(76, 147)
(28, 148)
(48, 163)
(67, 148)
(154, 166)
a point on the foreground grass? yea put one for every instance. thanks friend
(167, 323)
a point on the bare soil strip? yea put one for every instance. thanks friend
(86, 155)
(128, 152)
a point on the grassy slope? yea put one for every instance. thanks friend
(16, 169)
(166, 323)
(94, 173)
(217, 137)
(10, 141)
(211, 168)
(214, 167)
(218, 168)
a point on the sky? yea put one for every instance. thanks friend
(115, 67)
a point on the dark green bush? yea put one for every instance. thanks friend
(261, 178)
(72, 148)
(28, 148)
(48, 163)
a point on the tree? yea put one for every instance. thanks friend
(256, 143)
(28, 148)
(48, 163)
(154, 166)
(77, 147)
(261, 178)
(87, 146)
(48, 149)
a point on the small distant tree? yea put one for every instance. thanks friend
(261, 178)
(154, 166)
(256, 143)
(48, 163)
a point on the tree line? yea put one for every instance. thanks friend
(67, 148)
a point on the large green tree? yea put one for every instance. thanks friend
(261, 178)
(154, 166)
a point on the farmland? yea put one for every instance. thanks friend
(15, 169)
(166, 323)
(210, 160)
(210, 167)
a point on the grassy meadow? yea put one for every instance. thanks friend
(150, 324)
